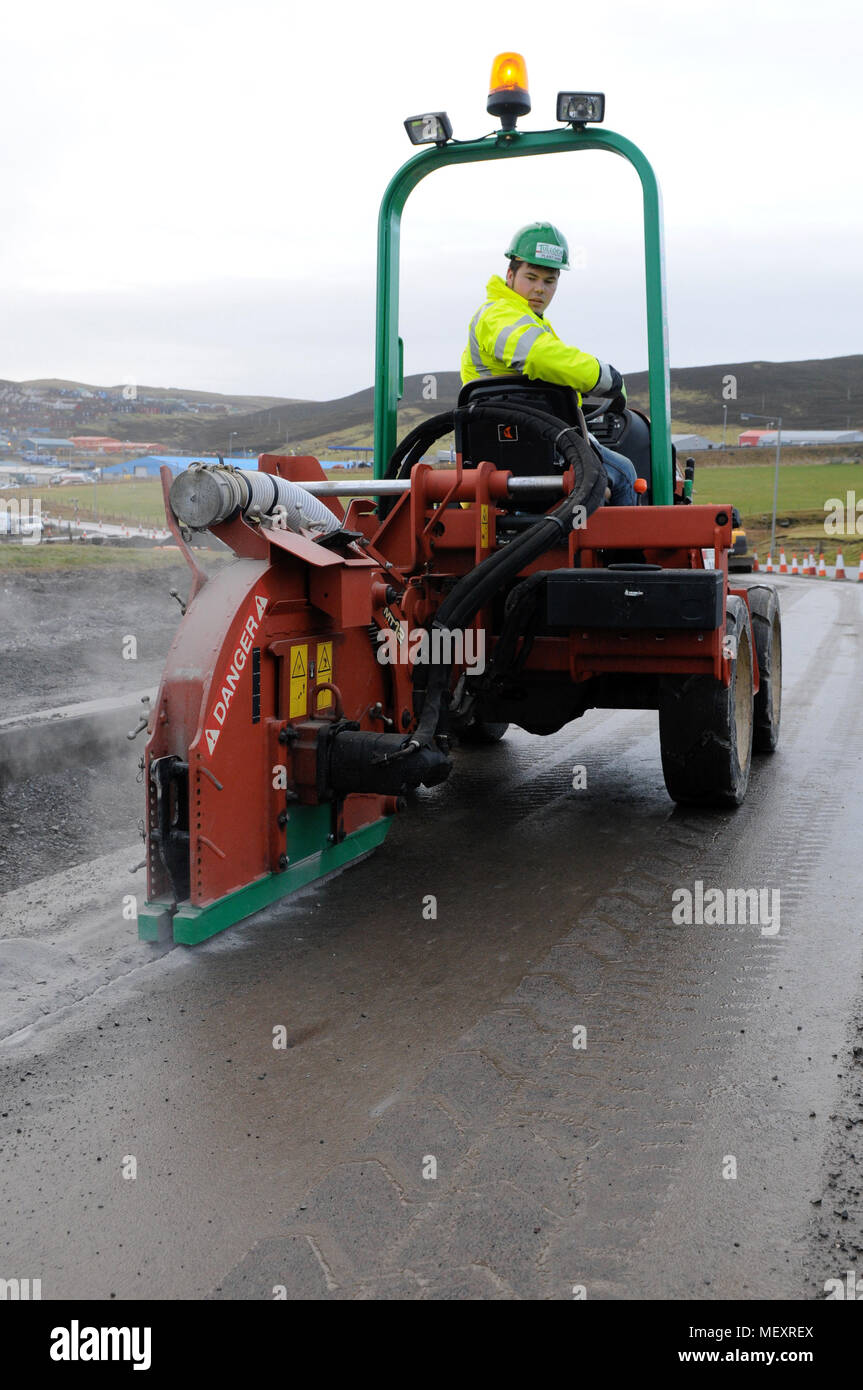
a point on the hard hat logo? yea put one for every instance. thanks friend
(540, 243)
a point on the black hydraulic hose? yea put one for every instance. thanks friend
(411, 450)
(474, 590)
(426, 430)
(469, 595)
(519, 612)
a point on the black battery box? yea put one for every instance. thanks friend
(635, 596)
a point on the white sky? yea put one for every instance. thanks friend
(189, 188)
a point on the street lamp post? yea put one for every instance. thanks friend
(724, 421)
(770, 419)
(231, 437)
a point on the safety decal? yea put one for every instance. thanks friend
(324, 669)
(507, 433)
(231, 678)
(483, 526)
(299, 668)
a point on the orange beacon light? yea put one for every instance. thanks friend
(508, 96)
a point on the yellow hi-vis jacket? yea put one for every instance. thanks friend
(506, 337)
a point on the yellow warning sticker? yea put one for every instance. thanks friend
(324, 673)
(299, 681)
(483, 526)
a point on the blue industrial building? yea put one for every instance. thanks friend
(148, 467)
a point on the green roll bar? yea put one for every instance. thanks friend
(512, 145)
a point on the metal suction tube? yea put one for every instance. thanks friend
(206, 494)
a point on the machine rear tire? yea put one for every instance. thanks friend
(480, 731)
(767, 631)
(706, 728)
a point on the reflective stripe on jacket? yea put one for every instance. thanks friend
(505, 337)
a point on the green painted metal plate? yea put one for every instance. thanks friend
(194, 924)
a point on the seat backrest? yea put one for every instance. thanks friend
(498, 440)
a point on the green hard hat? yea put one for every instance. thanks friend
(540, 243)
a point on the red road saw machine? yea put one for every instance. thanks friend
(364, 628)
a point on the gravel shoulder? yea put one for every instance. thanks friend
(64, 632)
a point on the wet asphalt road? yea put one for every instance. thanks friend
(704, 1142)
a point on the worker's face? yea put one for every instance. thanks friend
(535, 283)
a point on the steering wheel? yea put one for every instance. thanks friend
(603, 405)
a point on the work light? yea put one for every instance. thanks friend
(580, 107)
(433, 128)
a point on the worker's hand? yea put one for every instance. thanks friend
(610, 383)
(618, 386)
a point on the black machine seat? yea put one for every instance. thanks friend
(626, 431)
(557, 400)
(501, 442)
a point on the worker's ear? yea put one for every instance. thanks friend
(510, 276)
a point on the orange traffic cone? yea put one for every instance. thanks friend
(839, 572)
(822, 568)
(755, 562)
(783, 563)
(813, 568)
(795, 569)
(768, 568)
(860, 569)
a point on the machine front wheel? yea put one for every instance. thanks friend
(706, 728)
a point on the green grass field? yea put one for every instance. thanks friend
(802, 488)
(803, 491)
(136, 500)
(17, 558)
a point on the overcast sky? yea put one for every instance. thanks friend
(189, 188)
